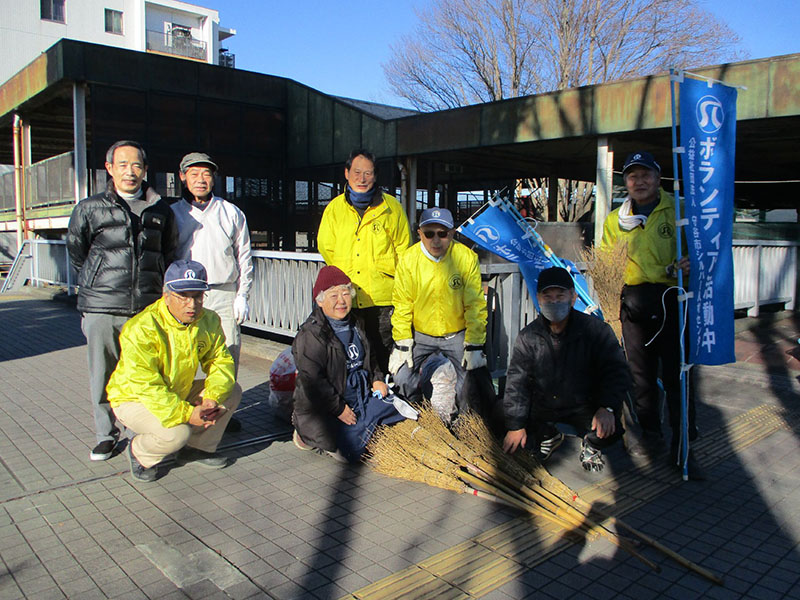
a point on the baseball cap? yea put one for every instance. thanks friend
(644, 159)
(554, 277)
(440, 216)
(186, 276)
(197, 158)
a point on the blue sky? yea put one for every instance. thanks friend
(338, 47)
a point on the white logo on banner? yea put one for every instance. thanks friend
(710, 115)
(487, 233)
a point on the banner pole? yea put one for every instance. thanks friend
(675, 79)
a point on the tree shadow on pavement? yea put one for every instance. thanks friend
(35, 327)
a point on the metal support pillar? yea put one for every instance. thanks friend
(552, 198)
(603, 186)
(408, 187)
(19, 176)
(79, 140)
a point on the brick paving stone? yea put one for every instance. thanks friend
(326, 518)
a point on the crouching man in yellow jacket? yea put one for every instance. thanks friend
(153, 391)
(438, 293)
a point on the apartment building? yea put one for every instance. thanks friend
(169, 27)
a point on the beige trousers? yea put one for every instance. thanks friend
(153, 441)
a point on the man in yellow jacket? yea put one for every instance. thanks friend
(363, 232)
(439, 307)
(649, 307)
(153, 391)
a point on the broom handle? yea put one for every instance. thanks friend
(568, 517)
(655, 544)
(487, 496)
(583, 519)
(522, 504)
(582, 505)
(559, 506)
(588, 526)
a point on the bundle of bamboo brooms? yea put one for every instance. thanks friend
(468, 459)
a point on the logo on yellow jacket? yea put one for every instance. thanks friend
(456, 281)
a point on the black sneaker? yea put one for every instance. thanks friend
(548, 446)
(138, 472)
(591, 457)
(209, 460)
(103, 450)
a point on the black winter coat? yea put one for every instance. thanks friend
(120, 258)
(321, 379)
(590, 371)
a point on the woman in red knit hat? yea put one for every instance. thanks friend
(340, 396)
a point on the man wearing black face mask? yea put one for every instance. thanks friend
(566, 367)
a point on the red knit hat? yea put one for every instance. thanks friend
(329, 277)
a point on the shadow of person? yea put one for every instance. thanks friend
(741, 523)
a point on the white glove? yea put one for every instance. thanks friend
(241, 310)
(401, 354)
(473, 359)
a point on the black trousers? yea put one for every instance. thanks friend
(642, 315)
(378, 327)
(541, 425)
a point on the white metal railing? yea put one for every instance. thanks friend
(280, 299)
(42, 261)
(764, 272)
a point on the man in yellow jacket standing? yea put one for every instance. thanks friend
(363, 232)
(649, 304)
(438, 307)
(153, 391)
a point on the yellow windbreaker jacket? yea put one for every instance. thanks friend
(365, 248)
(650, 249)
(439, 298)
(159, 358)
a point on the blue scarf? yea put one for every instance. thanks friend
(359, 200)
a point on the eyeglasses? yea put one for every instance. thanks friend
(184, 299)
(442, 234)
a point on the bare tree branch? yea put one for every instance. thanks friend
(470, 51)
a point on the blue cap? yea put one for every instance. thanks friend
(440, 216)
(644, 159)
(186, 276)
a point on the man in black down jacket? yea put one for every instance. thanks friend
(566, 367)
(120, 242)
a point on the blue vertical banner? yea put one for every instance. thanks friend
(708, 137)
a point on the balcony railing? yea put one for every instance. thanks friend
(178, 43)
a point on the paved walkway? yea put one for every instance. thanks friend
(281, 523)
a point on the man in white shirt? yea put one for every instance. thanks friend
(213, 232)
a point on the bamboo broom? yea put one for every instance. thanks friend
(417, 439)
(471, 427)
